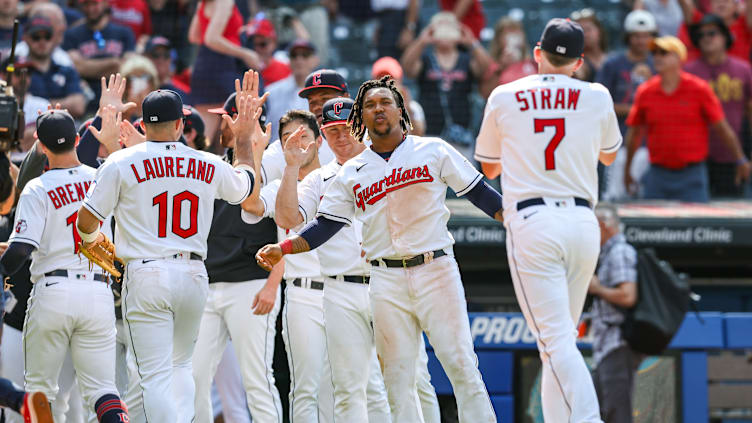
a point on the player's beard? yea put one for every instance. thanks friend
(384, 133)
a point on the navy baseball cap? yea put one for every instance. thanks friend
(84, 126)
(563, 37)
(39, 24)
(302, 44)
(230, 108)
(56, 130)
(323, 78)
(193, 119)
(336, 111)
(162, 106)
(156, 42)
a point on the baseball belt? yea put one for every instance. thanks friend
(64, 273)
(353, 278)
(314, 284)
(539, 202)
(412, 261)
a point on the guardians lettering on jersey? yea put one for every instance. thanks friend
(398, 179)
(174, 167)
(541, 99)
(65, 194)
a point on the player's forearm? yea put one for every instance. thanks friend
(294, 245)
(86, 222)
(487, 199)
(461, 8)
(286, 212)
(243, 153)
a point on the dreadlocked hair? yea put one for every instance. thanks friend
(355, 120)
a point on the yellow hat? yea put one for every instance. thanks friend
(671, 44)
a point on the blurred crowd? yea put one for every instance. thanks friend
(447, 54)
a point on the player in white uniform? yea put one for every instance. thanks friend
(547, 133)
(162, 195)
(397, 189)
(71, 305)
(311, 393)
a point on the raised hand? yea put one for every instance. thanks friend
(129, 135)
(110, 132)
(268, 256)
(112, 93)
(295, 151)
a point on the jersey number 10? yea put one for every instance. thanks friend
(177, 207)
(558, 124)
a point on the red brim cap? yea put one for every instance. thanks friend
(218, 111)
(334, 123)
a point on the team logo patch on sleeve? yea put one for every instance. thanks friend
(21, 226)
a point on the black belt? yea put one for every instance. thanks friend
(409, 262)
(64, 273)
(539, 202)
(314, 284)
(194, 256)
(356, 279)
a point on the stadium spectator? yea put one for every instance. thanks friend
(170, 19)
(510, 52)
(314, 17)
(445, 76)
(159, 50)
(49, 80)
(97, 46)
(596, 43)
(283, 95)
(8, 13)
(622, 73)
(54, 14)
(133, 14)
(676, 109)
(193, 131)
(731, 79)
(615, 289)
(216, 28)
(390, 66)
(142, 78)
(32, 104)
(398, 25)
(260, 37)
(728, 10)
(469, 12)
(668, 14)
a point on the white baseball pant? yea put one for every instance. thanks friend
(67, 406)
(429, 404)
(311, 390)
(163, 300)
(429, 296)
(70, 313)
(552, 251)
(228, 315)
(228, 384)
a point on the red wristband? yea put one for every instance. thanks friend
(286, 246)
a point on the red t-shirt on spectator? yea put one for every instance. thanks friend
(275, 71)
(677, 123)
(232, 29)
(132, 13)
(474, 18)
(740, 30)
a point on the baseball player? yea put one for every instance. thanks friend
(70, 305)
(311, 393)
(320, 86)
(397, 189)
(161, 194)
(33, 407)
(547, 132)
(359, 393)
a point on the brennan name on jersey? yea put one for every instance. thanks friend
(64, 194)
(397, 180)
(540, 99)
(174, 167)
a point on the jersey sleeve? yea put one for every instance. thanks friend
(309, 196)
(456, 171)
(488, 143)
(103, 194)
(235, 184)
(30, 217)
(272, 165)
(338, 203)
(268, 197)
(610, 133)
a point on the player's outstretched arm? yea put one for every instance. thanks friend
(87, 224)
(287, 214)
(484, 197)
(311, 237)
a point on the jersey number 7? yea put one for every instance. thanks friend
(560, 131)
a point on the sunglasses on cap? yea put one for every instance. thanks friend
(160, 55)
(304, 54)
(41, 36)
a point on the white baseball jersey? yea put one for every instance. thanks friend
(273, 162)
(401, 201)
(340, 255)
(305, 265)
(547, 132)
(46, 218)
(162, 195)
